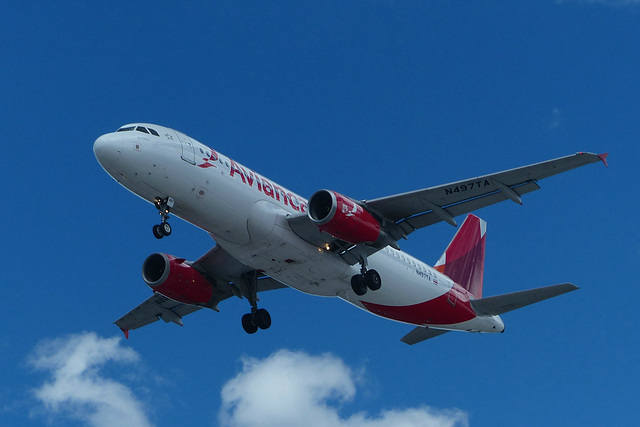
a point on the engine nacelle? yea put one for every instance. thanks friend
(342, 217)
(174, 278)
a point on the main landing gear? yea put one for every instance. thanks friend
(367, 279)
(163, 206)
(259, 317)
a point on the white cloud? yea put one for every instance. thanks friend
(294, 388)
(77, 389)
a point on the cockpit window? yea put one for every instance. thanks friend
(139, 129)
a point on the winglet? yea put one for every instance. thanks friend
(603, 157)
(125, 332)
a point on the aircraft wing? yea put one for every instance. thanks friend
(402, 214)
(154, 308)
(417, 209)
(221, 269)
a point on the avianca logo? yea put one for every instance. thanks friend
(347, 212)
(209, 162)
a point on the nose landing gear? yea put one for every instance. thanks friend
(164, 207)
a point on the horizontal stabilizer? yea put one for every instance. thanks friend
(421, 333)
(496, 305)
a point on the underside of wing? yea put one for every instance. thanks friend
(225, 277)
(155, 308)
(417, 209)
(400, 215)
(227, 273)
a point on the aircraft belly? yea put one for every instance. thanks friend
(401, 284)
(276, 250)
(488, 324)
(410, 295)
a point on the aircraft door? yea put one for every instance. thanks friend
(452, 297)
(188, 151)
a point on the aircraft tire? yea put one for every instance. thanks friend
(262, 318)
(157, 231)
(373, 280)
(358, 285)
(248, 325)
(165, 228)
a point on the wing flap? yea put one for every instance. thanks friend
(496, 305)
(155, 308)
(422, 333)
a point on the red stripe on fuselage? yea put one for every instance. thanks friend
(449, 308)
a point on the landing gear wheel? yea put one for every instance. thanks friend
(157, 231)
(164, 207)
(262, 318)
(373, 280)
(248, 325)
(165, 228)
(358, 285)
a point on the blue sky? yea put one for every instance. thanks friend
(368, 98)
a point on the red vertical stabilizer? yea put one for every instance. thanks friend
(463, 260)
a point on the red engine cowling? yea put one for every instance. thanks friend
(173, 278)
(342, 217)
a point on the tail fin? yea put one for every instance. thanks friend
(463, 260)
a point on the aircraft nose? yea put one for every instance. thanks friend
(107, 150)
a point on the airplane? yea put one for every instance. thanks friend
(268, 237)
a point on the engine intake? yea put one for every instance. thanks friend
(175, 279)
(342, 217)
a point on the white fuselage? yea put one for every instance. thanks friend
(246, 214)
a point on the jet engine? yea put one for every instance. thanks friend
(342, 217)
(174, 278)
